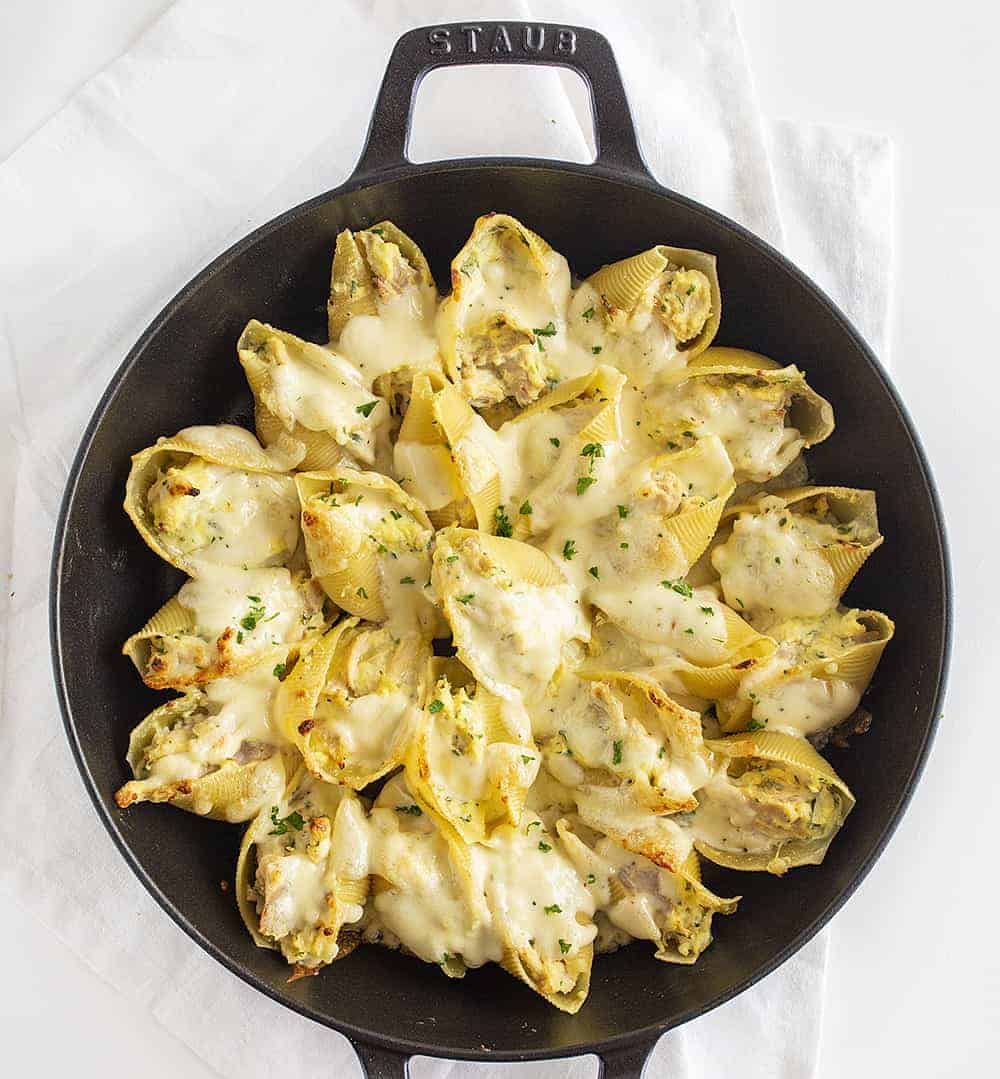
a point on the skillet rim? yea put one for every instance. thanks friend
(355, 182)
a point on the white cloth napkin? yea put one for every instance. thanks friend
(224, 113)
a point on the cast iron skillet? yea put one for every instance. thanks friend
(183, 371)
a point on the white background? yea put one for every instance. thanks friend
(915, 978)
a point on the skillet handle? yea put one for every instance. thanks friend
(426, 48)
(627, 1063)
(379, 1063)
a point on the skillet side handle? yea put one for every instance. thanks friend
(627, 1063)
(379, 1063)
(426, 48)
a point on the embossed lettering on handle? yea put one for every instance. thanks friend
(422, 50)
(529, 39)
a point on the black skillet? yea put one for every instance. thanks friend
(183, 371)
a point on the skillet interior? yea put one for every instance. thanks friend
(185, 371)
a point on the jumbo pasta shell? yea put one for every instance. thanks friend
(225, 445)
(483, 781)
(851, 507)
(353, 285)
(625, 284)
(563, 983)
(798, 755)
(344, 895)
(343, 552)
(297, 708)
(439, 421)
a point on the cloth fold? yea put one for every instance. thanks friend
(224, 113)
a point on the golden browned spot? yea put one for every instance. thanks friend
(300, 971)
(125, 798)
(309, 519)
(306, 726)
(224, 885)
(183, 786)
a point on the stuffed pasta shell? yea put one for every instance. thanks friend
(367, 542)
(424, 899)
(302, 874)
(312, 395)
(213, 496)
(773, 804)
(671, 909)
(222, 623)
(513, 615)
(765, 414)
(471, 757)
(650, 313)
(792, 554)
(350, 705)
(814, 679)
(213, 751)
(445, 456)
(501, 329)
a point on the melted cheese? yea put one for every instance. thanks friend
(512, 632)
(401, 334)
(223, 516)
(750, 420)
(771, 569)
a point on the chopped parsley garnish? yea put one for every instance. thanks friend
(707, 610)
(526, 758)
(689, 630)
(468, 597)
(362, 592)
(452, 558)
(616, 757)
(282, 824)
(407, 580)
(584, 482)
(595, 573)
(366, 409)
(662, 753)
(543, 846)
(755, 725)
(548, 330)
(592, 450)
(740, 602)
(554, 908)
(435, 706)
(279, 671)
(411, 810)
(377, 231)
(395, 516)
(596, 349)
(525, 510)
(564, 946)
(533, 824)
(448, 958)
(777, 560)
(255, 615)
(239, 637)
(682, 588)
(623, 512)
(555, 442)
(591, 878)
(569, 549)
(588, 314)
(624, 546)
(504, 527)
